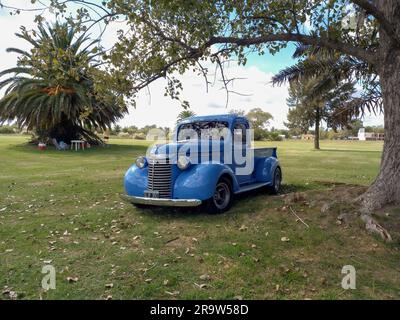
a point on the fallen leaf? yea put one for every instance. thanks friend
(242, 228)
(12, 295)
(72, 279)
(285, 239)
(173, 293)
(6, 290)
(204, 277)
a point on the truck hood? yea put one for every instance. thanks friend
(189, 148)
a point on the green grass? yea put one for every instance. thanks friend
(152, 253)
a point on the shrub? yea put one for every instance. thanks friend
(7, 129)
(139, 136)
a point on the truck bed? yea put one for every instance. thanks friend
(265, 152)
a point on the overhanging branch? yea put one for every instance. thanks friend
(363, 54)
(374, 11)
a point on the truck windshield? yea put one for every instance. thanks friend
(203, 130)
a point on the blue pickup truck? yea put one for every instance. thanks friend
(209, 161)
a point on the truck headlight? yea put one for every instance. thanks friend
(183, 162)
(141, 162)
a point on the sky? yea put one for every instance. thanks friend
(252, 85)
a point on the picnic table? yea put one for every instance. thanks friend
(78, 144)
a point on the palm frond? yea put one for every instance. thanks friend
(15, 70)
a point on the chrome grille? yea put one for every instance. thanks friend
(159, 177)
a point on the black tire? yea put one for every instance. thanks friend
(277, 183)
(221, 201)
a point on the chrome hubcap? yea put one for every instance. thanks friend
(222, 195)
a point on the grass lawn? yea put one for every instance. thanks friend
(63, 208)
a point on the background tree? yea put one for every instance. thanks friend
(176, 36)
(238, 112)
(320, 96)
(299, 117)
(52, 89)
(259, 120)
(185, 114)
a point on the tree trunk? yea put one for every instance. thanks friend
(386, 187)
(316, 134)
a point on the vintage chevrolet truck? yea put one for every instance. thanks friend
(209, 161)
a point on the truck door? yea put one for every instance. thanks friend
(242, 167)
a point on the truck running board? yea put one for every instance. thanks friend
(252, 187)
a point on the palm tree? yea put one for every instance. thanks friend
(52, 89)
(325, 84)
(333, 69)
(185, 114)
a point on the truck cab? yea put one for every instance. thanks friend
(209, 161)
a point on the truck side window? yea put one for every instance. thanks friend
(240, 129)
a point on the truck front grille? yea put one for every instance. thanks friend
(160, 177)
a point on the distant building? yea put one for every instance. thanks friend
(363, 136)
(307, 137)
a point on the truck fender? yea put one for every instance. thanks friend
(135, 181)
(199, 181)
(265, 170)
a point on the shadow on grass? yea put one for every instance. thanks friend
(348, 150)
(199, 212)
(111, 149)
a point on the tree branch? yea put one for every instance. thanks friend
(374, 11)
(333, 44)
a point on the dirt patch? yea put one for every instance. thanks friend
(179, 242)
(45, 183)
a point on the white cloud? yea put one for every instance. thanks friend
(253, 89)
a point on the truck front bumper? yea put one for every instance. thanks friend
(162, 202)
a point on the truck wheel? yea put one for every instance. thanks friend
(276, 186)
(222, 198)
